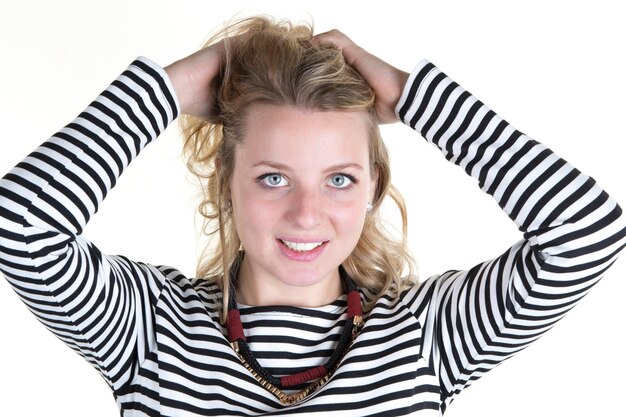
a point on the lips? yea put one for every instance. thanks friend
(302, 251)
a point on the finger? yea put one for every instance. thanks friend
(334, 37)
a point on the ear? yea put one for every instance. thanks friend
(218, 167)
(218, 163)
(374, 184)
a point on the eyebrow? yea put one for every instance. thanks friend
(284, 167)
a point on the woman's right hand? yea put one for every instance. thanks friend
(196, 80)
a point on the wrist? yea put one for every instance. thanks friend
(179, 80)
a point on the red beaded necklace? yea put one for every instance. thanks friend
(317, 376)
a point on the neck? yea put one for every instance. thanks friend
(257, 289)
(315, 377)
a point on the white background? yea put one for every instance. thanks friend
(555, 70)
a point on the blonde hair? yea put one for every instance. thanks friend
(275, 63)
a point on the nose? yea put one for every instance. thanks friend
(306, 208)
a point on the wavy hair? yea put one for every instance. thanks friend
(275, 62)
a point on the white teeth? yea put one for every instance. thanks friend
(301, 247)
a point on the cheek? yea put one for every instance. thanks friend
(253, 216)
(349, 218)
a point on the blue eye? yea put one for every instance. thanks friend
(273, 180)
(341, 180)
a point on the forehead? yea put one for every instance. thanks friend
(298, 135)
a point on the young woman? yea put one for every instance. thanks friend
(304, 306)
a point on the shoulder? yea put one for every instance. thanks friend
(418, 295)
(204, 289)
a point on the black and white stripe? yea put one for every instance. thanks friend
(154, 336)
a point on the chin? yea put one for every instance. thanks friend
(303, 279)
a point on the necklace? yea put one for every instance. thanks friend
(317, 376)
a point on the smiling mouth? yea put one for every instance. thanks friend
(301, 247)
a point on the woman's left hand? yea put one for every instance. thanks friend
(386, 80)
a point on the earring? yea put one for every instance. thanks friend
(369, 207)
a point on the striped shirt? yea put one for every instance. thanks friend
(154, 334)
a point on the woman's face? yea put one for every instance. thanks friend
(299, 189)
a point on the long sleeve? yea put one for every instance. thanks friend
(97, 304)
(572, 232)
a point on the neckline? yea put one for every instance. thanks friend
(337, 307)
